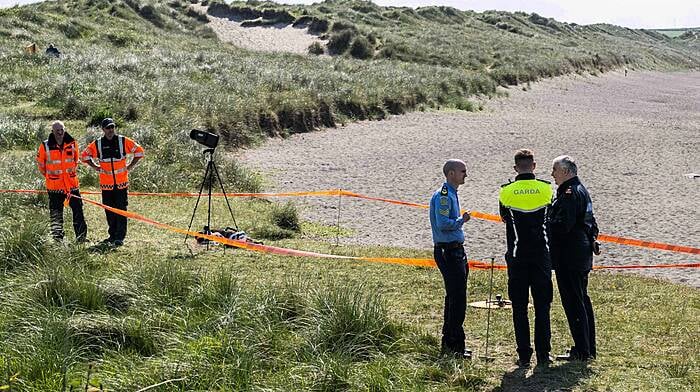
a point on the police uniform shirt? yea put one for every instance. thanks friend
(445, 216)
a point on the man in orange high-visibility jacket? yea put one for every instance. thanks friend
(111, 151)
(57, 159)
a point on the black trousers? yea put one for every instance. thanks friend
(573, 289)
(117, 198)
(56, 200)
(536, 277)
(453, 267)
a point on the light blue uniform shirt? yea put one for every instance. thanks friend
(445, 216)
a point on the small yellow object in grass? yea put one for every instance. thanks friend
(497, 303)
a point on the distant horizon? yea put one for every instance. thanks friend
(671, 15)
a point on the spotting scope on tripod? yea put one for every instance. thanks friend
(209, 140)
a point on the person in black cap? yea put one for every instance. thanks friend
(111, 152)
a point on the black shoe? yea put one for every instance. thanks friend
(465, 354)
(573, 357)
(544, 360)
(118, 243)
(109, 240)
(523, 363)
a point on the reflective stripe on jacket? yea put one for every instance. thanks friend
(111, 155)
(58, 164)
(523, 207)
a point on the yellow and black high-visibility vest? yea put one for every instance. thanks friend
(523, 207)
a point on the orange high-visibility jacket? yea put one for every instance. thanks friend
(111, 155)
(58, 164)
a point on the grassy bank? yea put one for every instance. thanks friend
(232, 320)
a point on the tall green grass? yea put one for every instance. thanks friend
(151, 312)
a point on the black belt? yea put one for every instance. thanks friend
(449, 245)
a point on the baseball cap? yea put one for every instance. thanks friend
(107, 122)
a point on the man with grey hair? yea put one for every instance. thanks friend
(57, 160)
(573, 231)
(446, 220)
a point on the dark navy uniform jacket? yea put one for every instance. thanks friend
(572, 227)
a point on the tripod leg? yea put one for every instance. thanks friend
(488, 317)
(216, 171)
(211, 179)
(194, 211)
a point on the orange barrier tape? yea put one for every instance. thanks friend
(473, 214)
(190, 194)
(281, 251)
(416, 262)
(648, 244)
(332, 192)
(688, 265)
(339, 192)
(497, 218)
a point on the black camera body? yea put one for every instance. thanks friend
(205, 138)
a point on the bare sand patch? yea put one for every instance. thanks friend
(635, 139)
(277, 38)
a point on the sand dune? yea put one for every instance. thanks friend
(635, 139)
(278, 38)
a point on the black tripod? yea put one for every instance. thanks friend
(209, 174)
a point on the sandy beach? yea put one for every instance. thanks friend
(634, 139)
(277, 38)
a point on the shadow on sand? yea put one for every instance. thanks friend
(554, 378)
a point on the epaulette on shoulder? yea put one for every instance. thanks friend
(545, 181)
(507, 183)
(444, 190)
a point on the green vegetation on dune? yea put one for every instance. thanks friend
(159, 70)
(510, 48)
(158, 65)
(677, 33)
